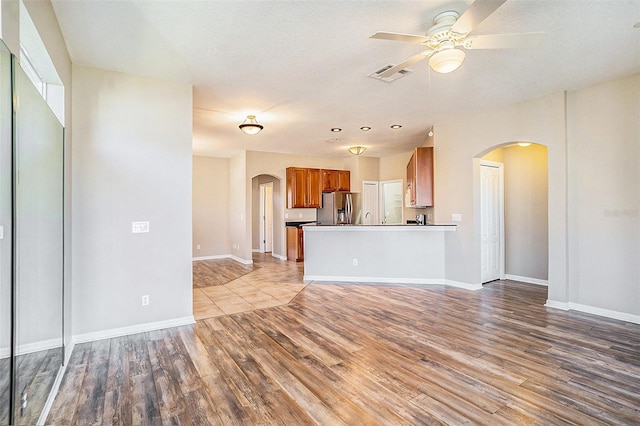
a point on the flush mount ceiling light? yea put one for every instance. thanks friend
(447, 59)
(395, 126)
(365, 128)
(251, 126)
(431, 132)
(357, 150)
(336, 129)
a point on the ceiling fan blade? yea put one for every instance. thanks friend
(399, 37)
(504, 41)
(402, 65)
(476, 13)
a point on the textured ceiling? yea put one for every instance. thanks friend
(301, 66)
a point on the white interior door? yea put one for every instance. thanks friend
(266, 217)
(370, 203)
(268, 223)
(491, 221)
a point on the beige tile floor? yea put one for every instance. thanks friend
(275, 283)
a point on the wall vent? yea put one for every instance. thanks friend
(392, 77)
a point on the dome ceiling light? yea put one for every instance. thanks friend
(357, 150)
(251, 126)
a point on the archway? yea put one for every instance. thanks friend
(259, 218)
(524, 228)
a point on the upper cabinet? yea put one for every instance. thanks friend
(303, 188)
(420, 178)
(336, 180)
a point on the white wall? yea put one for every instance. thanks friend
(604, 195)
(131, 162)
(211, 206)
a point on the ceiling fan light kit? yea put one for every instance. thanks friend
(357, 150)
(251, 126)
(449, 35)
(446, 60)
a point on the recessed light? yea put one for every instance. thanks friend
(365, 128)
(524, 143)
(396, 126)
(336, 129)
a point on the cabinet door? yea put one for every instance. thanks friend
(424, 177)
(300, 244)
(329, 180)
(344, 180)
(314, 197)
(411, 179)
(296, 187)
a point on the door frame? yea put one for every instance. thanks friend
(263, 214)
(381, 206)
(501, 256)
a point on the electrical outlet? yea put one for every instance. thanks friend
(139, 227)
(286, 215)
(197, 246)
(355, 262)
(300, 215)
(145, 300)
(456, 217)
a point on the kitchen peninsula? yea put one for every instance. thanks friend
(402, 254)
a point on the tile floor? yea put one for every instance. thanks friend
(266, 286)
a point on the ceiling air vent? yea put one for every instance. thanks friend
(392, 77)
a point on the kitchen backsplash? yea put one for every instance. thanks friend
(299, 215)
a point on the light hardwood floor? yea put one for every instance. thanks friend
(366, 354)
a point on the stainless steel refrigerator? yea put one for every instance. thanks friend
(340, 208)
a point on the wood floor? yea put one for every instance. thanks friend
(366, 354)
(35, 374)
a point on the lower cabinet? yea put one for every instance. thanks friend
(295, 244)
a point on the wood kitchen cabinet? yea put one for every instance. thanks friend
(336, 180)
(420, 177)
(295, 244)
(303, 188)
(344, 180)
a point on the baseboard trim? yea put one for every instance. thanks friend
(608, 313)
(527, 280)
(29, 348)
(465, 286)
(134, 329)
(376, 280)
(218, 256)
(279, 256)
(52, 395)
(241, 260)
(564, 306)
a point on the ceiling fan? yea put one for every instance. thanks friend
(450, 32)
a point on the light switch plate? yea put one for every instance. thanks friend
(1, 232)
(139, 227)
(456, 217)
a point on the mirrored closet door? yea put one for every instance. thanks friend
(35, 281)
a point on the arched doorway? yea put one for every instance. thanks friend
(266, 215)
(512, 210)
